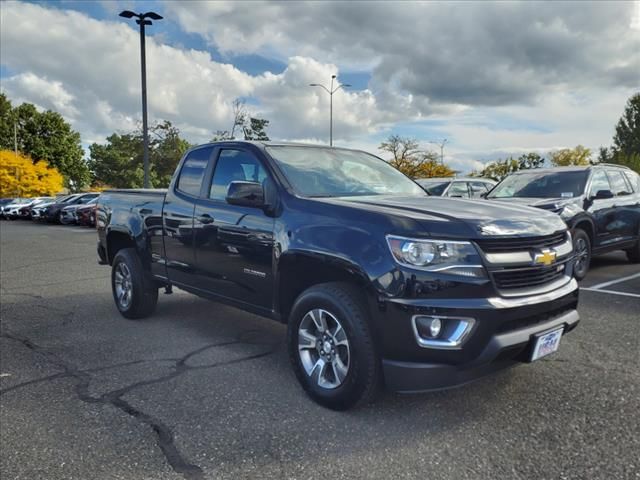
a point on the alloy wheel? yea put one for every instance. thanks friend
(582, 255)
(324, 348)
(124, 285)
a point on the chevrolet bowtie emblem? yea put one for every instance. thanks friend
(546, 257)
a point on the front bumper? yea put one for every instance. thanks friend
(503, 351)
(502, 337)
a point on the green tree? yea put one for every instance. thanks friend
(221, 135)
(119, 162)
(571, 156)
(501, 168)
(627, 137)
(256, 129)
(407, 157)
(44, 136)
(166, 150)
(7, 120)
(530, 160)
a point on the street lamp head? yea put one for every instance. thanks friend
(128, 14)
(314, 85)
(343, 85)
(152, 16)
(333, 76)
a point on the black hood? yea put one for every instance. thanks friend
(482, 218)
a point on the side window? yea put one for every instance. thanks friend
(599, 181)
(478, 188)
(192, 172)
(634, 180)
(458, 189)
(234, 165)
(618, 182)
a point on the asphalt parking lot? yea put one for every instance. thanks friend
(203, 391)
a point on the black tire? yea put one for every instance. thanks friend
(362, 379)
(143, 291)
(633, 254)
(582, 249)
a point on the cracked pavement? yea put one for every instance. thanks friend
(203, 391)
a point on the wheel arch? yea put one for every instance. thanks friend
(116, 241)
(298, 271)
(585, 224)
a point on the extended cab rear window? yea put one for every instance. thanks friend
(192, 172)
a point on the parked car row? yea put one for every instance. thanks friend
(77, 208)
(599, 203)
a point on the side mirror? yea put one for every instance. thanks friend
(246, 194)
(603, 195)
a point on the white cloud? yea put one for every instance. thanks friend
(491, 78)
(441, 52)
(66, 51)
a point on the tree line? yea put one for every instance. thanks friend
(45, 137)
(46, 140)
(624, 151)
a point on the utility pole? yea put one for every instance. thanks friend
(15, 138)
(330, 91)
(142, 20)
(441, 145)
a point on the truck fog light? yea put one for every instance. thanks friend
(435, 327)
(441, 332)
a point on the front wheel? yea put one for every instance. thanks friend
(135, 295)
(582, 250)
(633, 254)
(331, 346)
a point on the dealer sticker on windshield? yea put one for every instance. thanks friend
(546, 344)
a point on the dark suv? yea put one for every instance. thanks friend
(599, 203)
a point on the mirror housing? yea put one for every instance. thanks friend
(246, 194)
(603, 195)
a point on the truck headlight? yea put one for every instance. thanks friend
(448, 256)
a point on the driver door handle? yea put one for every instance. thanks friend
(205, 218)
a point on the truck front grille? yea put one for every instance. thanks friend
(520, 244)
(527, 277)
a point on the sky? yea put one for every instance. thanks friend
(493, 79)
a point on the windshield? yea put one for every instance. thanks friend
(541, 185)
(329, 172)
(434, 188)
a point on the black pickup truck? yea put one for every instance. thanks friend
(376, 281)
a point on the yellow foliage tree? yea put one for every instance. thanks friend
(568, 157)
(413, 162)
(20, 177)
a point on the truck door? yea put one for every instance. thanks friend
(177, 216)
(234, 244)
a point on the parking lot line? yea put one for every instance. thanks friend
(612, 282)
(613, 292)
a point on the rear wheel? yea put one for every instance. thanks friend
(331, 346)
(135, 295)
(582, 250)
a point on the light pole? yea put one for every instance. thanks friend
(142, 20)
(441, 145)
(330, 91)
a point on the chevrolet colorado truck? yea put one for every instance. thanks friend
(377, 282)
